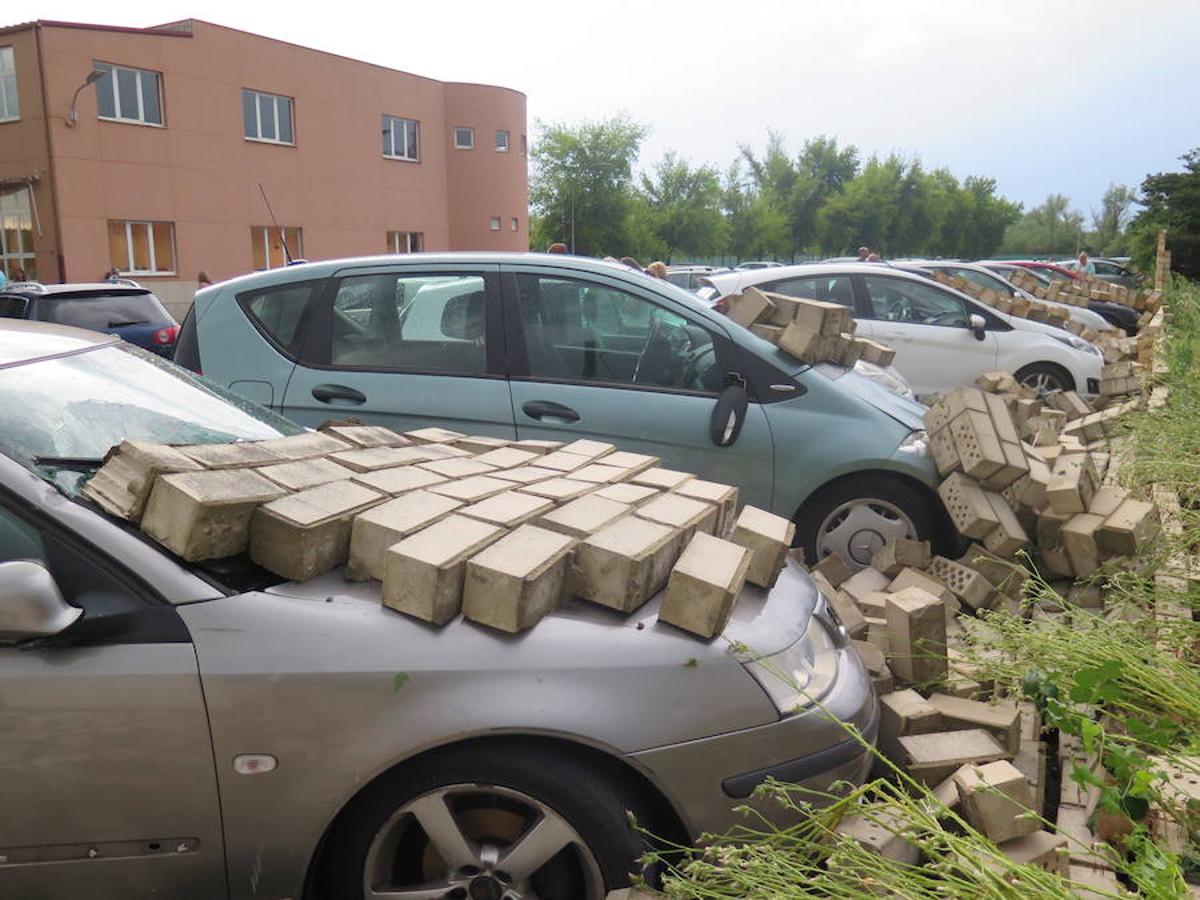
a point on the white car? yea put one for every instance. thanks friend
(942, 338)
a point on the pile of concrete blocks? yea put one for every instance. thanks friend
(812, 331)
(1019, 306)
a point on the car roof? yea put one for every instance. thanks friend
(23, 341)
(44, 290)
(802, 270)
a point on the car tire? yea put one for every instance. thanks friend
(1045, 377)
(488, 784)
(883, 497)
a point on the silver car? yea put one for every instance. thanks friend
(205, 731)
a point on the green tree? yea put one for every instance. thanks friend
(1108, 236)
(581, 185)
(986, 218)
(684, 207)
(1052, 228)
(822, 171)
(1171, 201)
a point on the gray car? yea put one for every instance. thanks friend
(205, 731)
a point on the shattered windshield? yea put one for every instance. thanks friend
(60, 416)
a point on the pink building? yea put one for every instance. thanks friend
(156, 151)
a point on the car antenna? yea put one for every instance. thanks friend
(282, 236)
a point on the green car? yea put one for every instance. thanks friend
(556, 347)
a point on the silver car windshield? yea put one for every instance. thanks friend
(59, 416)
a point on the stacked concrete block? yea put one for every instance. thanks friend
(304, 534)
(369, 459)
(900, 553)
(749, 307)
(558, 489)
(768, 538)
(995, 797)
(373, 531)
(477, 444)
(306, 473)
(1079, 540)
(624, 492)
(306, 445)
(206, 514)
(704, 585)
(564, 461)
(526, 474)
(583, 517)
(423, 575)
(661, 479)
(599, 473)
(364, 436)
(471, 489)
(237, 455)
(506, 457)
(458, 468)
(540, 447)
(393, 482)
(916, 625)
(509, 509)
(593, 450)
(515, 582)
(723, 496)
(433, 436)
(624, 564)
(934, 757)
(688, 515)
(433, 451)
(632, 463)
(122, 485)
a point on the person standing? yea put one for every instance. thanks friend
(1085, 265)
(863, 253)
(202, 280)
(557, 247)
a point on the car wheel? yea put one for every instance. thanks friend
(494, 824)
(1045, 378)
(856, 516)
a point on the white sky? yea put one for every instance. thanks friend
(1050, 96)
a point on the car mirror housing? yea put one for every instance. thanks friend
(729, 415)
(977, 324)
(31, 605)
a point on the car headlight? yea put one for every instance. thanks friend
(886, 376)
(800, 674)
(916, 443)
(1076, 343)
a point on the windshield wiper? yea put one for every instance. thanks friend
(82, 463)
(119, 324)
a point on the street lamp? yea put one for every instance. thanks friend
(92, 77)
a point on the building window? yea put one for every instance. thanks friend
(267, 245)
(495, 223)
(16, 235)
(129, 95)
(400, 139)
(464, 138)
(404, 241)
(267, 117)
(501, 141)
(515, 225)
(9, 107)
(524, 146)
(142, 248)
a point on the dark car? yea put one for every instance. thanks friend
(1116, 314)
(125, 309)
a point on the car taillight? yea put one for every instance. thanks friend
(166, 335)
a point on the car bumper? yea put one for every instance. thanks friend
(706, 779)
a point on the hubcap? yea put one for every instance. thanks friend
(479, 842)
(1042, 382)
(857, 528)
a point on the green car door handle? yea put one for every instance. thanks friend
(338, 394)
(545, 409)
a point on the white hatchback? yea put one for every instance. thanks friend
(942, 338)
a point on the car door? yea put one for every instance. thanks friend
(927, 326)
(107, 780)
(602, 358)
(406, 346)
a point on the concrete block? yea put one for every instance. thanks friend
(1001, 720)
(864, 582)
(1005, 575)
(968, 506)
(846, 610)
(945, 456)
(541, 448)
(902, 713)
(1091, 883)
(749, 307)
(1071, 487)
(206, 515)
(507, 457)
(433, 436)
(509, 509)
(1008, 537)
(952, 405)
(631, 494)
(373, 531)
(1030, 759)
(438, 451)
(834, 568)
(1041, 849)
(632, 463)
(304, 534)
(560, 490)
(306, 473)
(1015, 467)
(374, 458)
(478, 444)
(562, 461)
(364, 436)
(526, 474)
(516, 581)
(994, 797)
(829, 319)
(874, 352)
(234, 455)
(931, 758)
(395, 481)
(880, 831)
(1031, 490)
(1079, 540)
(306, 445)
(770, 333)
(873, 658)
(704, 585)
(583, 517)
(966, 584)
(1070, 403)
(662, 479)
(593, 450)
(684, 513)
(624, 564)
(874, 603)
(1129, 528)
(471, 490)
(768, 538)
(916, 623)
(878, 633)
(1002, 419)
(457, 468)
(977, 445)
(898, 554)
(723, 496)
(598, 473)
(423, 575)
(122, 485)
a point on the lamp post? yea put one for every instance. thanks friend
(92, 77)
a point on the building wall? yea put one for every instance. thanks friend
(199, 171)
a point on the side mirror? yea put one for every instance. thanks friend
(977, 324)
(728, 416)
(31, 605)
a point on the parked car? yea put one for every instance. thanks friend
(127, 310)
(1116, 314)
(942, 338)
(554, 347)
(209, 731)
(1109, 270)
(689, 277)
(758, 264)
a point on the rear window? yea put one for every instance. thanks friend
(278, 312)
(12, 307)
(99, 311)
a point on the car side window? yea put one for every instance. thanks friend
(278, 311)
(899, 300)
(583, 331)
(429, 323)
(1106, 268)
(830, 288)
(12, 307)
(984, 281)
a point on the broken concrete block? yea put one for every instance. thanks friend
(304, 534)
(1001, 720)
(583, 517)
(305, 473)
(965, 583)
(423, 575)
(395, 481)
(373, 531)
(863, 582)
(631, 494)
(560, 490)
(506, 457)
(122, 485)
(684, 513)
(916, 623)
(968, 506)
(1007, 537)
(898, 554)
(704, 585)
(433, 436)
(662, 479)
(624, 564)
(591, 449)
(206, 514)
(1127, 530)
(457, 468)
(234, 455)
(994, 798)
(834, 568)
(373, 458)
(723, 496)
(564, 462)
(1041, 849)
(880, 831)
(525, 474)
(516, 581)
(749, 307)
(932, 758)
(904, 712)
(471, 490)
(364, 436)
(509, 509)
(768, 537)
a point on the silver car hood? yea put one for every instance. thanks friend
(907, 412)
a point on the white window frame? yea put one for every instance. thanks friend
(153, 270)
(265, 232)
(10, 107)
(412, 241)
(259, 139)
(391, 123)
(507, 140)
(119, 107)
(469, 130)
(20, 256)
(497, 223)
(516, 225)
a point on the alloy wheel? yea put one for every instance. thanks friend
(859, 527)
(1043, 383)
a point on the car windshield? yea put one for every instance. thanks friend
(60, 416)
(98, 310)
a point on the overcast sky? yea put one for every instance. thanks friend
(1050, 96)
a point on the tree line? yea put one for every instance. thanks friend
(824, 200)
